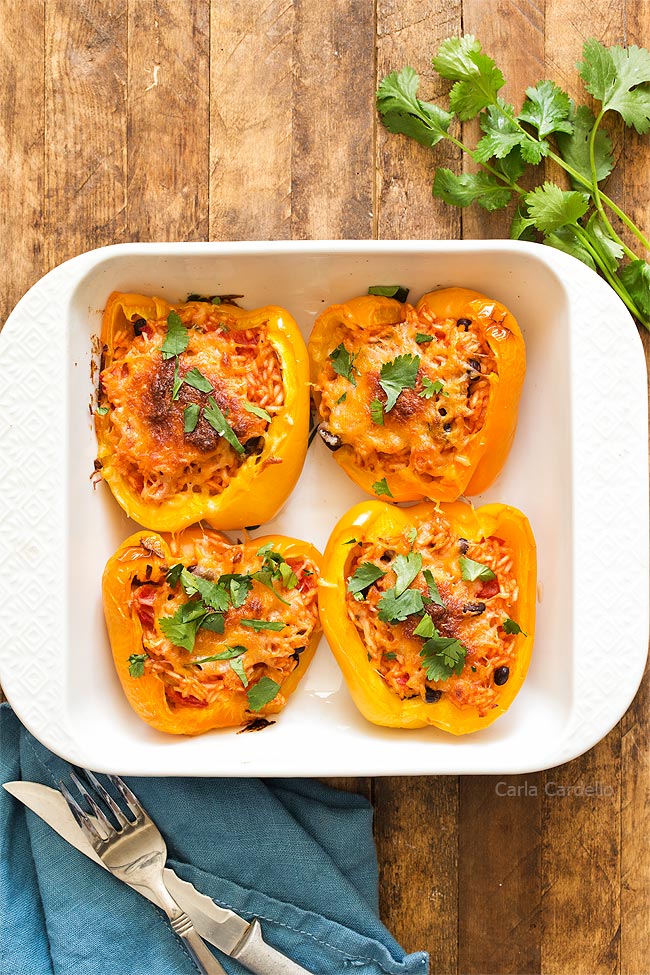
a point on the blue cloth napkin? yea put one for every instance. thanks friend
(292, 852)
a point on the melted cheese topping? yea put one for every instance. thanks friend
(423, 432)
(268, 653)
(473, 613)
(151, 449)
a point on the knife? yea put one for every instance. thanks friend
(224, 929)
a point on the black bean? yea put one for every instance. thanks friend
(431, 696)
(296, 653)
(442, 411)
(501, 675)
(474, 364)
(474, 608)
(330, 439)
(465, 321)
(463, 545)
(139, 325)
(388, 556)
(253, 446)
(447, 427)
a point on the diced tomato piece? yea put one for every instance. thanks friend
(143, 599)
(489, 588)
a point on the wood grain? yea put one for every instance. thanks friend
(85, 126)
(168, 120)
(251, 130)
(22, 148)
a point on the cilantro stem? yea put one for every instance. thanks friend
(595, 189)
(611, 279)
(490, 169)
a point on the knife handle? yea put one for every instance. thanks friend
(254, 953)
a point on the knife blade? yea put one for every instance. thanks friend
(223, 928)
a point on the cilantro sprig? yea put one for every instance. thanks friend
(549, 125)
(398, 375)
(343, 363)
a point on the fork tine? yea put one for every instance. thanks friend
(98, 812)
(81, 816)
(128, 797)
(106, 797)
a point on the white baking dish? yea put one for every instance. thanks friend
(578, 469)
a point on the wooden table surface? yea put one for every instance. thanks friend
(144, 120)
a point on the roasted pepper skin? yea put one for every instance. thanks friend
(488, 449)
(374, 699)
(260, 488)
(146, 694)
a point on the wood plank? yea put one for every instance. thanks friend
(333, 115)
(168, 120)
(417, 842)
(416, 826)
(499, 874)
(22, 148)
(85, 126)
(251, 67)
(410, 33)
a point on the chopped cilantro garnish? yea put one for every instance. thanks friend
(182, 627)
(177, 336)
(511, 626)
(343, 363)
(257, 411)
(381, 487)
(195, 378)
(263, 624)
(239, 586)
(177, 381)
(228, 654)
(218, 422)
(173, 575)
(396, 291)
(191, 417)
(434, 593)
(421, 338)
(425, 627)
(398, 375)
(262, 693)
(406, 569)
(442, 657)
(136, 664)
(288, 576)
(393, 608)
(364, 577)
(214, 622)
(342, 398)
(237, 664)
(411, 535)
(390, 656)
(471, 571)
(377, 412)
(350, 541)
(430, 388)
(101, 410)
(213, 594)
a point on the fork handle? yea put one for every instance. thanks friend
(203, 958)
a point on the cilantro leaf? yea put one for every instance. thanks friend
(262, 693)
(502, 135)
(551, 207)
(511, 626)
(431, 387)
(237, 664)
(406, 568)
(364, 576)
(442, 657)
(421, 338)
(403, 112)
(636, 278)
(396, 291)
(412, 535)
(574, 146)
(173, 575)
(478, 80)
(377, 412)
(609, 250)
(136, 664)
(218, 422)
(191, 417)
(257, 411)
(470, 570)
(228, 654)
(213, 594)
(177, 382)
(177, 336)
(101, 410)
(565, 239)
(181, 628)
(482, 188)
(195, 378)
(547, 108)
(434, 592)
(288, 576)
(618, 77)
(263, 624)
(393, 608)
(215, 622)
(398, 375)
(381, 487)
(239, 586)
(343, 363)
(425, 627)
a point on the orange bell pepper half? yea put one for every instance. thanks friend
(203, 411)
(430, 611)
(419, 402)
(209, 634)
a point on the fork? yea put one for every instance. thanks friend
(135, 853)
